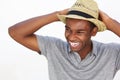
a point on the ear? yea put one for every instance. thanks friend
(94, 31)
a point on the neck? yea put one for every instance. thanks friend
(84, 52)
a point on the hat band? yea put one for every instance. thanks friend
(79, 13)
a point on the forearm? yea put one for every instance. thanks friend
(28, 27)
(113, 26)
(110, 23)
(23, 32)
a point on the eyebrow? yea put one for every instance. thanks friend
(76, 30)
(67, 26)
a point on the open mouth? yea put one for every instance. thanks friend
(74, 44)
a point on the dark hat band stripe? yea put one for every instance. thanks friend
(79, 13)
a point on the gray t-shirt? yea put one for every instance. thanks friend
(101, 64)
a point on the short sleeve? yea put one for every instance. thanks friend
(117, 51)
(50, 45)
(44, 43)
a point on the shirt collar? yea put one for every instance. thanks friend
(94, 50)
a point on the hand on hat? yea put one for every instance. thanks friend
(64, 12)
(110, 23)
(104, 17)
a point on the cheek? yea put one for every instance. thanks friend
(66, 34)
(84, 38)
(86, 41)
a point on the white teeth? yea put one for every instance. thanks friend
(74, 44)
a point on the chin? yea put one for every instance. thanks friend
(75, 50)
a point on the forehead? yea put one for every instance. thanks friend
(77, 23)
(76, 20)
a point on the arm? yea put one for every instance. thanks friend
(111, 24)
(23, 32)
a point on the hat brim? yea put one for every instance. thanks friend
(101, 26)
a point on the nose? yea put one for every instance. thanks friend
(72, 37)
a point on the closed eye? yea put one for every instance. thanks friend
(67, 28)
(80, 32)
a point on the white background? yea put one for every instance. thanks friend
(20, 63)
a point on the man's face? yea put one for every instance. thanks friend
(78, 34)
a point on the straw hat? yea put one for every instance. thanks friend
(86, 10)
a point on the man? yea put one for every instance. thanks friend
(80, 58)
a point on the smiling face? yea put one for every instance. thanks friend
(78, 34)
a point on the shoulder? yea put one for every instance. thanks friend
(112, 46)
(51, 41)
(107, 46)
(48, 39)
